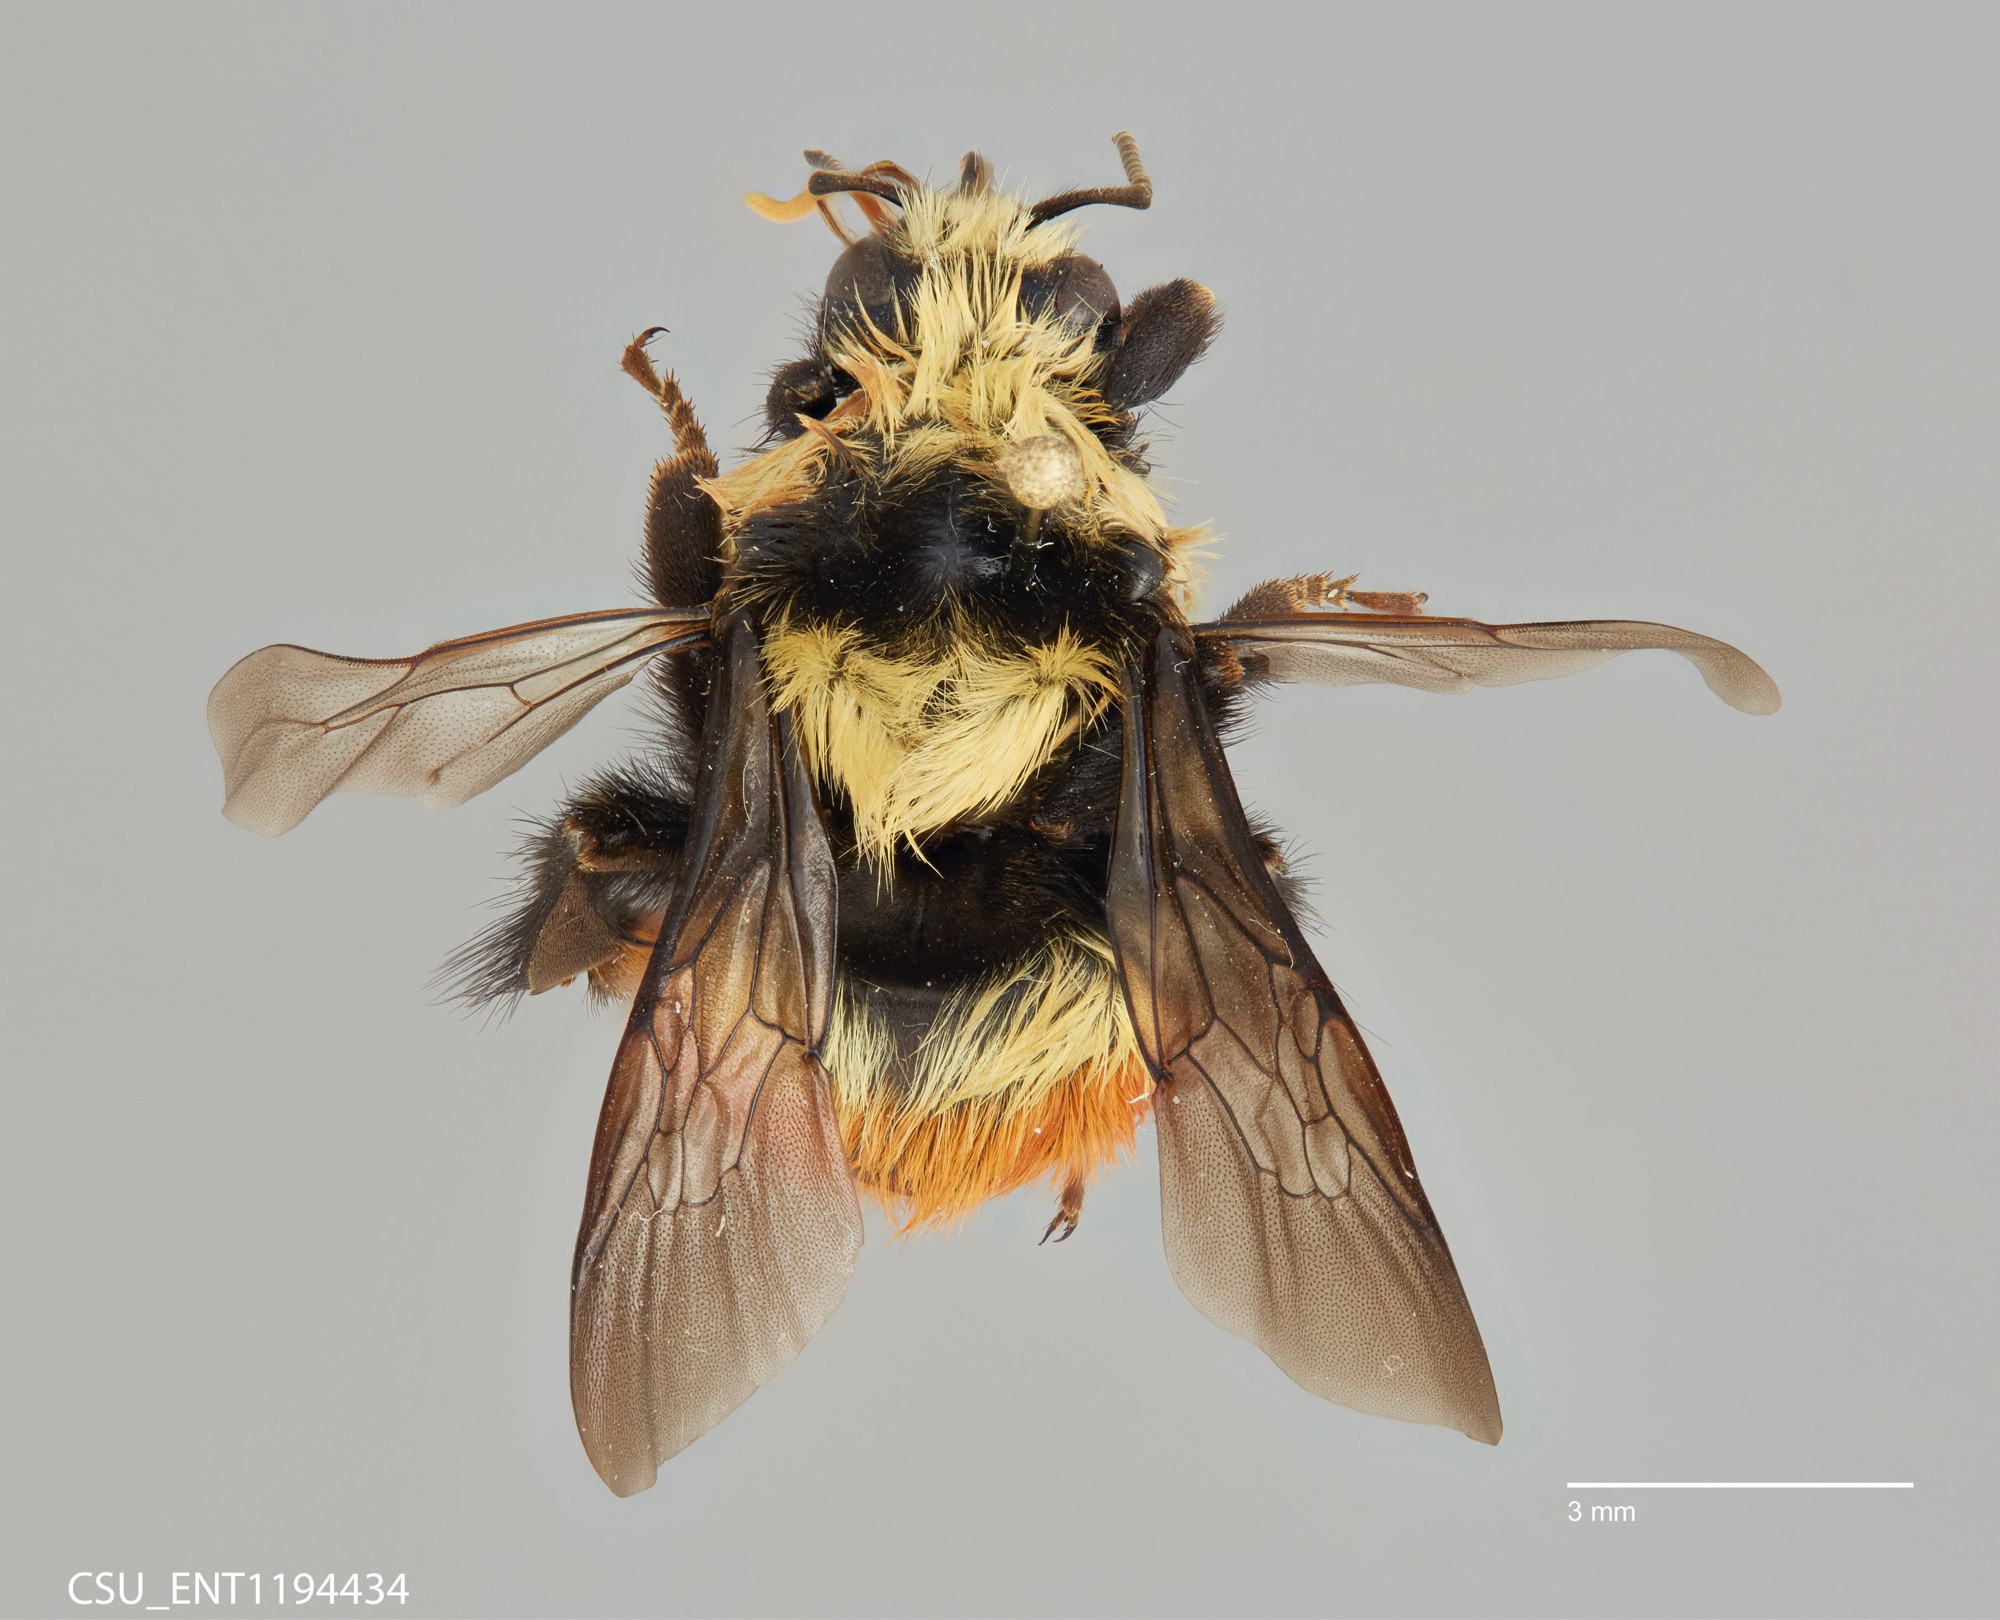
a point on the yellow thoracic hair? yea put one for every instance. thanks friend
(920, 740)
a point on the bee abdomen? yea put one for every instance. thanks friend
(951, 1095)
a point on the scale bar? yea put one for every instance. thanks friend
(1741, 1485)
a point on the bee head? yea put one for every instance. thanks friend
(939, 279)
(876, 281)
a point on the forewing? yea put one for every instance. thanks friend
(721, 1221)
(1454, 655)
(292, 725)
(1291, 1209)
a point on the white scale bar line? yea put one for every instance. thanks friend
(1742, 1485)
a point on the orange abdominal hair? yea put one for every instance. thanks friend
(1031, 1073)
(933, 1168)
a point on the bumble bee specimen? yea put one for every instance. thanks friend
(934, 883)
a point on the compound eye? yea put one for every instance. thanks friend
(803, 388)
(1075, 288)
(867, 280)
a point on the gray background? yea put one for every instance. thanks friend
(311, 321)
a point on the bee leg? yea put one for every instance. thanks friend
(1068, 1212)
(683, 524)
(683, 537)
(1280, 598)
(599, 876)
(1404, 604)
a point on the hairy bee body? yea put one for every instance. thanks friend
(954, 693)
(935, 882)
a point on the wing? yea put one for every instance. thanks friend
(721, 1222)
(1453, 655)
(292, 725)
(1292, 1213)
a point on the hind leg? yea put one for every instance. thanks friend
(1068, 1212)
(599, 878)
